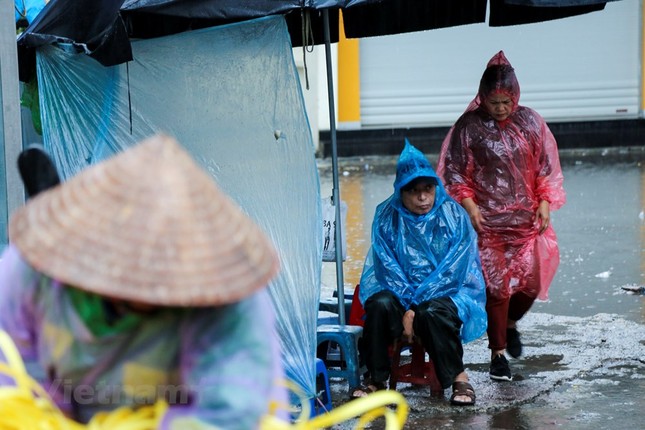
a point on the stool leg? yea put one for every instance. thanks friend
(347, 366)
(435, 386)
(418, 361)
(394, 370)
(418, 371)
(353, 376)
(350, 352)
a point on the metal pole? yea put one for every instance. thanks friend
(11, 134)
(340, 284)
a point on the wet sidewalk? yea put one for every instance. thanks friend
(584, 358)
(575, 373)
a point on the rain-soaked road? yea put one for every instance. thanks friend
(584, 358)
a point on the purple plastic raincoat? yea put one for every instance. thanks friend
(217, 367)
(507, 168)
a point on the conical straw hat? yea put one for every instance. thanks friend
(147, 225)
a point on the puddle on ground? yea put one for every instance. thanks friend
(530, 365)
(584, 361)
(576, 373)
(609, 397)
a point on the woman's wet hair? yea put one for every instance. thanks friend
(498, 77)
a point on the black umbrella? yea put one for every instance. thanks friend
(103, 29)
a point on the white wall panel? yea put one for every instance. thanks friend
(580, 68)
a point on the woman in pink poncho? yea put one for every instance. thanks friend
(500, 161)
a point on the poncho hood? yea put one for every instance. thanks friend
(499, 76)
(414, 164)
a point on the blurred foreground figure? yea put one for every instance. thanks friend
(139, 280)
(500, 161)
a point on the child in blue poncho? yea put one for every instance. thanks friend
(422, 278)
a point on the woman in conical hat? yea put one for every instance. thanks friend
(138, 279)
(500, 161)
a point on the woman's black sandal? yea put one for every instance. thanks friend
(461, 388)
(366, 389)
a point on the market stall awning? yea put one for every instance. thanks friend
(103, 28)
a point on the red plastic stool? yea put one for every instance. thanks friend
(356, 311)
(418, 371)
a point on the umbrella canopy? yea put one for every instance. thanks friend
(103, 28)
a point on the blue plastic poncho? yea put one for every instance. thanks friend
(28, 9)
(423, 257)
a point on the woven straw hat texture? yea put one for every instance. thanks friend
(147, 225)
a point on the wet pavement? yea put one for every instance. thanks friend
(575, 373)
(584, 358)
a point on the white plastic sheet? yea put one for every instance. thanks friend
(231, 96)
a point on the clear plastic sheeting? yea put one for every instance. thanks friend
(3, 197)
(231, 96)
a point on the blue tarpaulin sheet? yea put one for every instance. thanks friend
(28, 9)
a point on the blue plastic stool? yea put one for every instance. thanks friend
(347, 364)
(321, 403)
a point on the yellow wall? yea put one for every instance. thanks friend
(642, 58)
(349, 86)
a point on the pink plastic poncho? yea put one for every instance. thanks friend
(507, 168)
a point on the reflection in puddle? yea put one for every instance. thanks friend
(533, 365)
(601, 230)
(607, 398)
